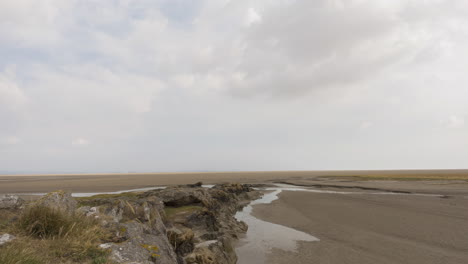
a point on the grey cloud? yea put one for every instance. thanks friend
(312, 45)
(118, 86)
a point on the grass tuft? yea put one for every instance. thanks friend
(46, 235)
(44, 222)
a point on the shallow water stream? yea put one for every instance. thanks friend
(263, 236)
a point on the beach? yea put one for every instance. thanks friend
(353, 217)
(365, 227)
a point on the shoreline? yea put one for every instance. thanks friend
(117, 182)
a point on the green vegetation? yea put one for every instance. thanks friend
(46, 235)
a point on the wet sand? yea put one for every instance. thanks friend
(366, 228)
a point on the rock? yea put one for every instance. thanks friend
(181, 239)
(59, 200)
(5, 238)
(213, 251)
(145, 245)
(138, 231)
(10, 202)
(177, 197)
(236, 188)
(195, 185)
(201, 255)
(88, 211)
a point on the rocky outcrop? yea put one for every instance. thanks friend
(10, 202)
(181, 224)
(186, 224)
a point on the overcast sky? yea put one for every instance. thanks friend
(174, 85)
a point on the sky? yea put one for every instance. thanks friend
(219, 85)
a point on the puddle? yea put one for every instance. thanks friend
(263, 236)
(118, 192)
(287, 187)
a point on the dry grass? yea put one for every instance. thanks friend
(14, 254)
(48, 236)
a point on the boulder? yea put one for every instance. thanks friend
(211, 252)
(10, 202)
(138, 231)
(143, 246)
(5, 238)
(59, 200)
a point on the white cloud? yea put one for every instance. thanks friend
(80, 142)
(366, 125)
(252, 17)
(455, 121)
(11, 140)
(11, 95)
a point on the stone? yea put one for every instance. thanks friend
(59, 200)
(143, 246)
(5, 238)
(182, 239)
(10, 202)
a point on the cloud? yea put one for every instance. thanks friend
(195, 85)
(326, 45)
(11, 140)
(252, 17)
(12, 96)
(80, 142)
(366, 125)
(455, 121)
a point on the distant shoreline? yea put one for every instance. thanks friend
(105, 182)
(314, 172)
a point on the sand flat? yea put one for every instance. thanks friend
(372, 229)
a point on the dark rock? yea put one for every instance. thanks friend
(181, 239)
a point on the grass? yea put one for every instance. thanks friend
(49, 236)
(171, 212)
(6, 217)
(11, 254)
